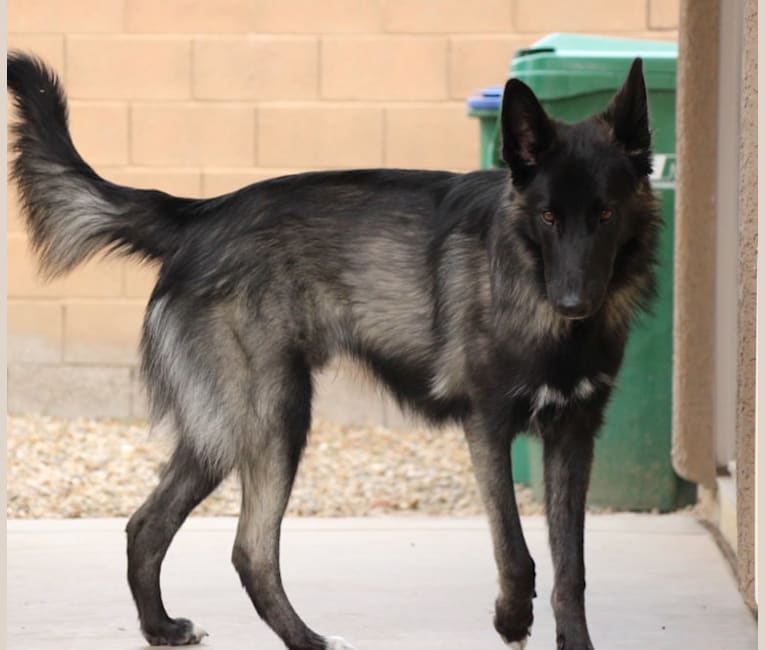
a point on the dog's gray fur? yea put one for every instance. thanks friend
(440, 285)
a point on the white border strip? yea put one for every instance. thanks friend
(3, 339)
(760, 350)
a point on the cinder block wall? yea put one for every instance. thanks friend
(199, 97)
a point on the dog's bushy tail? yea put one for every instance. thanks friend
(71, 212)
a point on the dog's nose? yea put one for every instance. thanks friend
(573, 305)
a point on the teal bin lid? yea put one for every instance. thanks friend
(567, 65)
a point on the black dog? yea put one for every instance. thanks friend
(498, 299)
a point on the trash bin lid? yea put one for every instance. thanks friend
(488, 99)
(566, 65)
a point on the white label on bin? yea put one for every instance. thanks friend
(663, 175)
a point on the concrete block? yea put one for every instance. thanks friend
(424, 16)
(192, 134)
(128, 67)
(310, 16)
(59, 16)
(585, 15)
(256, 68)
(100, 131)
(35, 331)
(434, 136)
(406, 68)
(314, 135)
(664, 14)
(479, 61)
(71, 391)
(104, 332)
(189, 16)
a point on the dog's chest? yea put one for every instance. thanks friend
(552, 394)
(550, 381)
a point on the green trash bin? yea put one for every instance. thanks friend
(574, 76)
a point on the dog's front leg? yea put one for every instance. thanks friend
(567, 457)
(490, 448)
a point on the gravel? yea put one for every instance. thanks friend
(86, 467)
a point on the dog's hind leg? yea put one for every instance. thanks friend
(184, 484)
(267, 470)
(490, 448)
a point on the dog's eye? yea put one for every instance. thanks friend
(606, 215)
(548, 218)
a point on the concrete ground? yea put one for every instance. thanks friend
(654, 582)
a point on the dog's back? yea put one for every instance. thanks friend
(313, 266)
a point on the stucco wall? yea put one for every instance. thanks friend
(696, 126)
(198, 97)
(748, 247)
(696, 265)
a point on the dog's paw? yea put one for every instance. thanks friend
(197, 634)
(177, 631)
(337, 643)
(513, 621)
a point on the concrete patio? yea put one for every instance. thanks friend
(411, 583)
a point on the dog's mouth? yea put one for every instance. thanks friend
(571, 317)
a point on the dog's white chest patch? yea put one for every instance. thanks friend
(584, 388)
(547, 395)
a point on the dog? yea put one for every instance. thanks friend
(497, 299)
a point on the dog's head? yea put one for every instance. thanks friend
(577, 188)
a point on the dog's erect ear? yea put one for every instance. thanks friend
(526, 129)
(628, 115)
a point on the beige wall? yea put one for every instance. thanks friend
(748, 245)
(198, 97)
(705, 269)
(695, 272)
